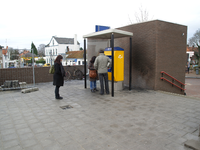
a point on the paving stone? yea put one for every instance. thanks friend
(191, 137)
(42, 135)
(193, 144)
(72, 146)
(48, 141)
(29, 142)
(15, 148)
(21, 126)
(131, 120)
(8, 137)
(11, 143)
(26, 136)
(35, 147)
(24, 131)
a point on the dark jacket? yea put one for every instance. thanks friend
(91, 67)
(58, 78)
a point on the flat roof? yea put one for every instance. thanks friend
(106, 34)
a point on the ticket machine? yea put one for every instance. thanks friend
(118, 63)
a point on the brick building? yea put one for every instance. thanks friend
(157, 46)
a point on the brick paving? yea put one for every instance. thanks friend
(137, 119)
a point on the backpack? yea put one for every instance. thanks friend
(93, 74)
(52, 69)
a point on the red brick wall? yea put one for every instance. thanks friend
(143, 54)
(26, 74)
(170, 54)
(157, 46)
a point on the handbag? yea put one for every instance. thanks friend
(93, 74)
(52, 69)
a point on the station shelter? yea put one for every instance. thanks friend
(111, 52)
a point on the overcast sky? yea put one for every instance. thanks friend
(26, 21)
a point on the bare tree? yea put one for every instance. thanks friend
(195, 39)
(195, 42)
(14, 53)
(141, 16)
(41, 50)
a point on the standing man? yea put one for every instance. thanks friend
(101, 64)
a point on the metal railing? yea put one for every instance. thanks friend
(172, 82)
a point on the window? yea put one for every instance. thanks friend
(79, 62)
(53, 42)
(56, 52)
(53, 51)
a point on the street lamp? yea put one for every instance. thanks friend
(50, 56)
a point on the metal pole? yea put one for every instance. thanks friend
(85, 63)
(130, 64)
(112, 46)
(33, 69)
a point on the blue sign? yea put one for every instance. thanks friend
(101, 28)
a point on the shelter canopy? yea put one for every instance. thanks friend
(106, 34)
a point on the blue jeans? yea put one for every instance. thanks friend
(92, 84)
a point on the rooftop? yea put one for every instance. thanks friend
(61, 40)
(191, 49)
(75, 54)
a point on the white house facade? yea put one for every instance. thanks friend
(5, 61)
(59, 46)
(190, 53)
(75, 61)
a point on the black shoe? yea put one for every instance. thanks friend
(59, 98)
(107, 92)
(92, 91)
(95, 89)
(101, 93)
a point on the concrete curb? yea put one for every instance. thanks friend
(175, 94)
(192, 77)
(193, 144)
(29, 90)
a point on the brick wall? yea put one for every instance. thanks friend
(170, 54)
(157, 46)
(143, 54)
(26, 74)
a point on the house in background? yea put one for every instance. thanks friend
(60, 46)
(26, 56)
(4, 57)
(190, 54)
(75, 58)
(1, 57)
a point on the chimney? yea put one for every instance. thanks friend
(75, 39)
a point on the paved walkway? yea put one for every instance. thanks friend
(192, 75)
(132, 120)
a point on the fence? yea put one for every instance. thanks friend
(26, 74)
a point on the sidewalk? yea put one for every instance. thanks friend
(132, 120)
(192, 75)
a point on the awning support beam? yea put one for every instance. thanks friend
(85, 63)
(130, 64)
(112, 46)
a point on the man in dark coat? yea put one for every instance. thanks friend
(58, 77)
